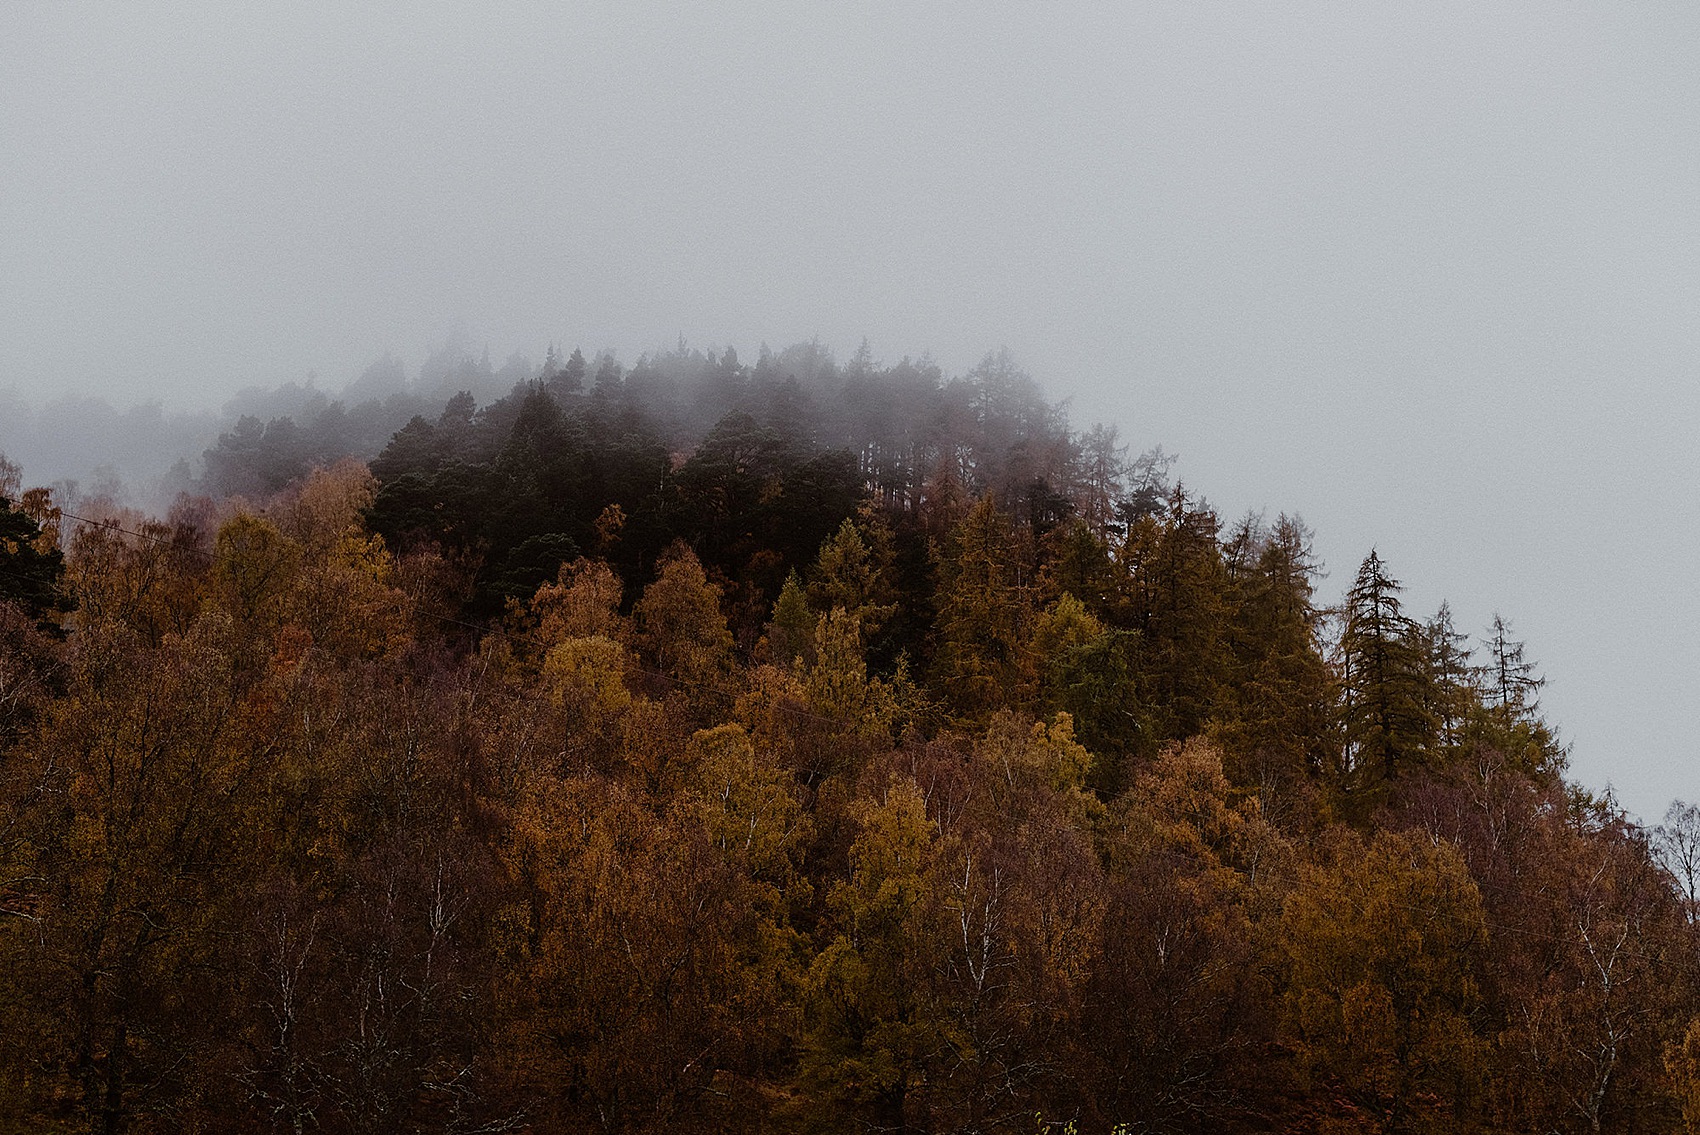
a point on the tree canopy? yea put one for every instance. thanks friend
(712, 746)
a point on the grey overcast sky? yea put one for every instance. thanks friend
(1427, 274)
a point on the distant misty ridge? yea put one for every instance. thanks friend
(84, 446)
(145, 454)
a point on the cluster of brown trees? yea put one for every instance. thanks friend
(994, 817)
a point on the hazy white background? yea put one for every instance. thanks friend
(1428, 274)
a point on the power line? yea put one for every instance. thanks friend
(418, 609)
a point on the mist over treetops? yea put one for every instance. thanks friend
(782, 745)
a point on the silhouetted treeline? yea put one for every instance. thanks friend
(851, 769)
(753, 466)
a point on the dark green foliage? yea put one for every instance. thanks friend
(546, 476)
(790, 635)
(30, 566)
(256, 457)
(1077, 561)
(536, 560)
(567, 380)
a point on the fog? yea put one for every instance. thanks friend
(1427, 275)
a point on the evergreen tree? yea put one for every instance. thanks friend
(1506, 717)
(1077, 562)
(1082, 669)
(1273, 724)
(854, 572)
(31, 563)
(790, 634)
(1387, 722)
(1180, 605)
(568, 378)
(608, 377)
(1512, 684)
(1452, 689)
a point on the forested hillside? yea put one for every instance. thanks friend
(789, 747)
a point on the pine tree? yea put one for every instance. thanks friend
(569, 379)
(608, 376)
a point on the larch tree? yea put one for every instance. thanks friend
(681, 629)
(983, 613)
(1383, 1005)
(1452, 688)
(854, 571)
(1512, 686)
(1387, 725)
(1181, 606)
(1273, 723)
(1506, 706)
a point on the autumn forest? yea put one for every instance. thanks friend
(791, 746)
